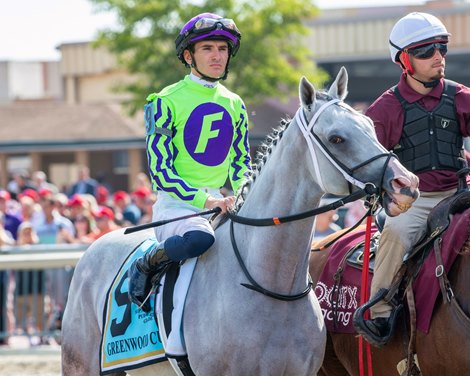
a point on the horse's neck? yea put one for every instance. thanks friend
(284, 187)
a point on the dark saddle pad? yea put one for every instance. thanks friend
(338, 287)
(449, 221)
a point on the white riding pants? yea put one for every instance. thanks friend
(168, 207)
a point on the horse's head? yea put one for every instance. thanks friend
(345, 149)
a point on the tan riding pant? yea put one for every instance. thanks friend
(400, 234)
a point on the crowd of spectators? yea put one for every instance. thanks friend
(80, 214)
(35, 211)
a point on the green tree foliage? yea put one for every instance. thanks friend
(272, 57)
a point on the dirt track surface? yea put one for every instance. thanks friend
(30, 362)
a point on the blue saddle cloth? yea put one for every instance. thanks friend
(130, 337)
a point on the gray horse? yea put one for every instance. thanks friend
(229, 329)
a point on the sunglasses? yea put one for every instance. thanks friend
(427, 51)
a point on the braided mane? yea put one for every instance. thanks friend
(261, 157)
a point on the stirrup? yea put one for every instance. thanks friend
(361, 327)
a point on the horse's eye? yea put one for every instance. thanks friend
(336, 140)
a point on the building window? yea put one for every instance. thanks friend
(19, 163)
(120, 162)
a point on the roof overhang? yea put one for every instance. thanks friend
(71, 145)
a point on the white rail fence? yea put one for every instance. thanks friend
(34, 283)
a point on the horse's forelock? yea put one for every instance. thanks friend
(323, 96)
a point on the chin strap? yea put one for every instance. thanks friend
(427, 85)
(408, 69)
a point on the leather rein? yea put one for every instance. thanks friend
(365, 189)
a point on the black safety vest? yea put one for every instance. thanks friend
(431, 140)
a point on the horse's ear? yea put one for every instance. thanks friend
(306, 93)
(339, 88)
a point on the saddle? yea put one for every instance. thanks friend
(355, 256)
(438, 221)
(171, 275)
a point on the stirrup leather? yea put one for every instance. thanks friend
(162, 268)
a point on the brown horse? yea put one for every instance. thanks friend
(442, 351)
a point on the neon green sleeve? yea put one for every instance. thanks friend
(240, 160)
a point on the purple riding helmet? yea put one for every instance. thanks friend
(208, 26)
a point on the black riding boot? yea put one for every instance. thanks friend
(146, 272)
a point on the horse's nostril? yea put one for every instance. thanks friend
(401, 182)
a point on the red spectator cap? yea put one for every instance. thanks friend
(120, 195)
(102, 194)
(30, 193)
(142, 192)
(43, 192)
(103, 211)
(5, 195)
(76, 200)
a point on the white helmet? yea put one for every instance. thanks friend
(414, 28)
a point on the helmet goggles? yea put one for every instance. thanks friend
(427, 51)
(206, 28)
(204, 25)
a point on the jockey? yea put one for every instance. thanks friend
(423, 120)
(197, 138)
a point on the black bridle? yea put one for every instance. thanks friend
(368, 189)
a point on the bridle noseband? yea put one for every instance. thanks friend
(306, 128)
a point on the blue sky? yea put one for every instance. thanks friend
(32, 29)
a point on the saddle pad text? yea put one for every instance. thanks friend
(131, 338)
